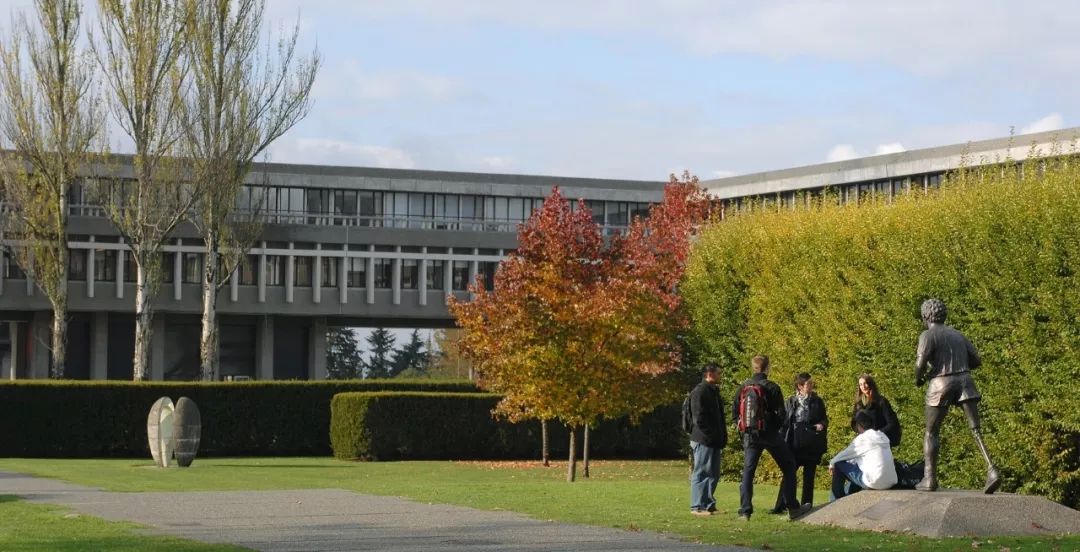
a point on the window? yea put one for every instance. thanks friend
(131, 270)
(597, 208)
(357, 272)
(460, 275)
(329, 271)
(11, 267)
(249, 271)
(384, 273)
(410, 274)
(77, 265)
(933, 181)
(515, 209)
(486, 273)
(191, 271)
(302, 267)
(435, 272)
(105, 265)
(639, 210)
(344, 206)
(618, 214)
(368, 207)
(275, 270)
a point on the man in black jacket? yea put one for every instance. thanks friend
(766, 438)
(708, 437)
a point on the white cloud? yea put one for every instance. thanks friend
(841, 152)
(1053, 121)
(892, 147)
(720, 173)
(496, 162)
(323, 151)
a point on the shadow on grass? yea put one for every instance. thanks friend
(9, 498)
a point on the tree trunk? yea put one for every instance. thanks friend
(585, 454)
(571, 467)
(545, 451)
(59, 338)
(208, 340)
(143, 329)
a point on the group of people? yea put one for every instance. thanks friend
(793, 431)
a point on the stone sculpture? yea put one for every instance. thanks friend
(945, 358)
(159, 431)
(188, 430)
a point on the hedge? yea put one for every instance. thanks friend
(836, 291)
(440, 426)
(79, 419)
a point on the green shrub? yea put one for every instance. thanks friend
(836, 291)
(69, 419)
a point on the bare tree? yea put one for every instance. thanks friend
(239, 102)
(140, 47)
(50, 115)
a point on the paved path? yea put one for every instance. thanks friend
(334, 520)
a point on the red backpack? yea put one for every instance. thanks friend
(752, 409)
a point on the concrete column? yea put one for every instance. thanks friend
(316, 276)
(290, 277)
(317, 349)
(178, 273)
(91, 261)
(120, 273)
(448, 278)
(371, 278)
(423, 279)
(261, 274)
(395, 278)
(99, 347)
(3, 265)
(16, 331)
(234, 284)
(38, 366)
(343, 276)
(264, 348)
(157, 348)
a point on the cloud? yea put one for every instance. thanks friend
(323, 151)
(396, 86)
(1053, 121)
(721, 173)
(496, 162)
(893, 147)
(841, 152)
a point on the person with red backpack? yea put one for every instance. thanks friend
(758, 412)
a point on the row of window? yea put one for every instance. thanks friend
(846, 193)
(191, 267)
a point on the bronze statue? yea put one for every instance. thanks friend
(945, 358)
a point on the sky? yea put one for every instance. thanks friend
(640, 90)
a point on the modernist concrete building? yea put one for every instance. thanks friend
(374, 247)
(340, 247)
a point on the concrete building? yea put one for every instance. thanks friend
(341, 246)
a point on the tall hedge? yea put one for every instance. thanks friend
(836, 290)
(68, 419)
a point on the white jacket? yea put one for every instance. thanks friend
(870, 451)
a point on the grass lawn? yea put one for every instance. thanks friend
(26, 526)
(632, 495)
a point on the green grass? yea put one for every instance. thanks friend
(649, 495)
(26, 526)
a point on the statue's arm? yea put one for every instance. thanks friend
(922, 356)
(974, 360)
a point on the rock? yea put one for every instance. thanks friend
(188, 430)
(159, 431)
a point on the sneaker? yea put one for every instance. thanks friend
(796, 513)
(701, 512)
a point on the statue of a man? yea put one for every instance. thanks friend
(945, 358)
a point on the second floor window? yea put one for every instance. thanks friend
(105, 265)
(302, 271)
(384, 273)
(357, 273)
(77, 265)
(191, 271)
(410, 274)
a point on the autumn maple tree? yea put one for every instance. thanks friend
(579, 327)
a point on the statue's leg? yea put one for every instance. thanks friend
(931, 443)
(993, 479)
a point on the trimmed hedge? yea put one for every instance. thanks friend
(836, 291)
(78, 419)
(428, 426)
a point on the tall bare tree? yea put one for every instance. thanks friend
(139, 47)
(50, 115)
(241, 99)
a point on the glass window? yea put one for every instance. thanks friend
(131, 271)
(105, 265)
(460, 276)
(470, 208)
(77, 264)
(639, 210)
(329, 271)
(401, 209)
(344, 204)
(11, 267)
(302, 267)
(275, 270)
(191, 271)
(618, 213)
(933, 181)
(410, 274)
(486, 273)
(501, 211)
(435, 272)
(357, 272)
(384, 273)
(516, 209)
(367, 206)
(597, 208)
(450, 207)
(249, 275)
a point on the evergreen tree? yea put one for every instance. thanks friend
(411, 356)
(381, 343)
(343, 358)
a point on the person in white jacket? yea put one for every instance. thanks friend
(867, 463)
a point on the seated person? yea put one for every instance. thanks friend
(867, 463)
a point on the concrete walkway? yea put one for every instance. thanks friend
(334, 520)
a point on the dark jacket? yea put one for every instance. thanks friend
(817, 415)
(707, 410)
(774, 404)
(884, 417)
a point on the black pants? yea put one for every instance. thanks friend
(809, 470)
(778, 449)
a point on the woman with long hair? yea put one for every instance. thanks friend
(868, 399)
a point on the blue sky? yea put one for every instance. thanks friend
(634, 89)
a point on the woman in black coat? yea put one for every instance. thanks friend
(869, 399)
(805, 432)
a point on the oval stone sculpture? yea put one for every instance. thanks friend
(159, 431)
(187, 423)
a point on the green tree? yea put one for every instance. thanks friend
(343, 357)
(381, 345)
(411, 358)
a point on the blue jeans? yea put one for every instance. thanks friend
(705, 475)
(846, 479)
